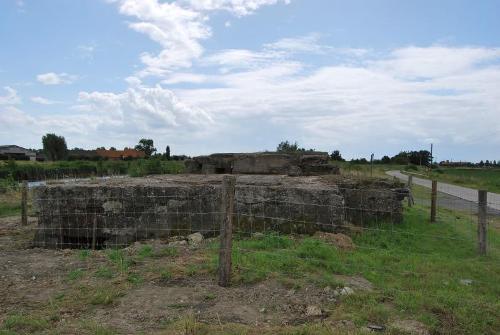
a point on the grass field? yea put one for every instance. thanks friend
(26, 170)
(417, 268)
(429, 273)
(364, 170)
(417, 271)
(10, 203)
(486, 179)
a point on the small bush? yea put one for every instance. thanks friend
(118, 257)
(84, 254)
(104, 296)
(411, 167)
(167, 252)
(165, 275)
(25, 323)
(104, 272)
(134, 278)
(145, 251)
(76, 274)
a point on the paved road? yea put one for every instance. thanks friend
(464, 193)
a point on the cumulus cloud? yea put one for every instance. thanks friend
(237, 7)
(52, 78)
(44, 101)
(10, 98)
(308, 43)
(179, 27)
(382, 99)
(143, 109)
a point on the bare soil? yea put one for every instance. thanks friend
(44, 283)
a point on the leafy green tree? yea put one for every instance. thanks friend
(385, 160)
(167, 153)
(54, 147)
(146, 145)
(336, 156)
(287, 147)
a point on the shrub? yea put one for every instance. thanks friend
(411, 167)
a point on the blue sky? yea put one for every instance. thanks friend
(232, 75)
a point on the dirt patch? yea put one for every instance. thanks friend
(356, 282)
(267, 303)
(411, 327)
(134, 294)
(340, 241)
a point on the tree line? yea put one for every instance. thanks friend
(56, 149)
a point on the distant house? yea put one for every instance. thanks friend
(16, 152)
(82, 154)
(120, 154)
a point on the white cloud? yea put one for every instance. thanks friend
(435, 61)
(237, 7)
(179, 27)
(143, 109)
(240, 58)
(177, 78)
(303, 44)
(178, 30)
(10, 98)
(52, 78)
(118, 118)
(44, 101)
(86, 51)
(377, 100)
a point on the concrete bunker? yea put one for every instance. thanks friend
(117, 212)
(292, 164)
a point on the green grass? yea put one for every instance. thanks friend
(145, 251)
(26, 170)
(166, 275)
(104, 296)
(10, 203)
(167, 252)
(119, 258)
(76, 274)
(135, 278)
(104, 272)
(84, 254)
(416, 268)
(364, 170)
(486, 179)
(139, 168)
(23, 324)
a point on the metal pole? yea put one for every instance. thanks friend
(371, 165)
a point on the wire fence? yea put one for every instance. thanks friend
(378, 219)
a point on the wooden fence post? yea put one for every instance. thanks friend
(482, 221)
(226, 229)
(24, 203)
(94, 231)
(410, 195)
(433, 201)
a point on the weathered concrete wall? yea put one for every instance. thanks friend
(128, 209)
(301, 164)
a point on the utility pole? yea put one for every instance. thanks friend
(432, 157)
(371, 165)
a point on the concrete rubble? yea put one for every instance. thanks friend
(292, 164)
